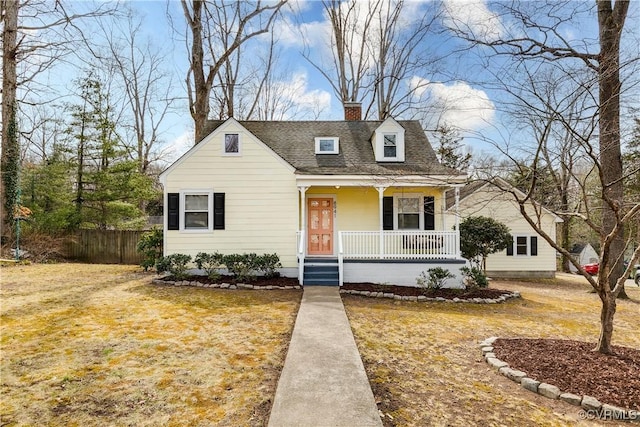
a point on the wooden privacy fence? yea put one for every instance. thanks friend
(104, 246)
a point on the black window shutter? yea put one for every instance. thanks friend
(218, 211)
(387, 213)
(510, 247)
(429, 213)
(173, 211)
(534, 245)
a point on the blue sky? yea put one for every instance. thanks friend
(456, 86)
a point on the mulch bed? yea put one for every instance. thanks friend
(574, 367)
(232, 280)
(411, 291)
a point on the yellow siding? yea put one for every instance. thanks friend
(261, 206)
(358, 207)
(494, 205)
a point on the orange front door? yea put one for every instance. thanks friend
(320, 226)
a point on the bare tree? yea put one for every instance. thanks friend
(216, 30)
(539, 39)
(36, 34)
(146, 86)
(377, 47)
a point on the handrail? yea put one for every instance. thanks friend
(340, 259)
(301, 244)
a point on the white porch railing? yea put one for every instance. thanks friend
(399, 244)
(301, 244)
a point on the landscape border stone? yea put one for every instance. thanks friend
(197, 284)
(422, 298)
(590, 405)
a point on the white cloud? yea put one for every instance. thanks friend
(474, 17)
(295, 100)
(178, 146)
(457, 104)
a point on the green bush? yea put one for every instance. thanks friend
(434, 278)
(176, 264)
(243, 266)
(267, 264)
(474, 277)
(210, 263)
(150, 245)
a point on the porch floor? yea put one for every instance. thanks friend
(323, 381)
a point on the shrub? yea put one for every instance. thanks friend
(435, 279)
(241, 266)
(209, 263)
(176, 264)
(482, 236)
(474, 277)
(267, 264)
(150, 245)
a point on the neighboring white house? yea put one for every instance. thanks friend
(531, 255)
(352, 200)
(584, 254)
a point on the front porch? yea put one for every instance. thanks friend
(376, 233)
(396, 257)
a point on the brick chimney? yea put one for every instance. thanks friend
(352, 111)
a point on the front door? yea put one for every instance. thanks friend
(320, 226)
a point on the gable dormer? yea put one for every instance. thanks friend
(388, 142)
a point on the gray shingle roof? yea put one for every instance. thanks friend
(294, 141)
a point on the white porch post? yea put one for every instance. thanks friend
(457, 193)
(302, 245)
(381, 217)
(303, 214)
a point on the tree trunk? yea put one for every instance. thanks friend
(610, 23)
(200, 103)
(10, 149)
(607, 312)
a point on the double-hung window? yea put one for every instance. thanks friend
(197, 213)
(390, 147)
(408, 213)
(523, 246)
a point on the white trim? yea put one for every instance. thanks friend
(224, 145)
(336, 144)
(515, 245)
(335, 223)
(196, 192)
(380, 181)
(389, 127)
(420, 198)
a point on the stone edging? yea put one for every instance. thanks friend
(422, 298)
(592, 408)
(198, 284)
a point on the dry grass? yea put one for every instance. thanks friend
(426, 368)
(99, 345)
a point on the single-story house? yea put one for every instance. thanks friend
(531, 255)
(338, 201)
(584, 254)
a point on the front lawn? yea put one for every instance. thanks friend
(426, 368)
(99, 345)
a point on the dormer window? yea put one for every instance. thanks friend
(327, 145)
(390, 147)
(388, 142)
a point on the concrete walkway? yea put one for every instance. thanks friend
(323, 382)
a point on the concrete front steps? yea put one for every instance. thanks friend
(321, 271)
